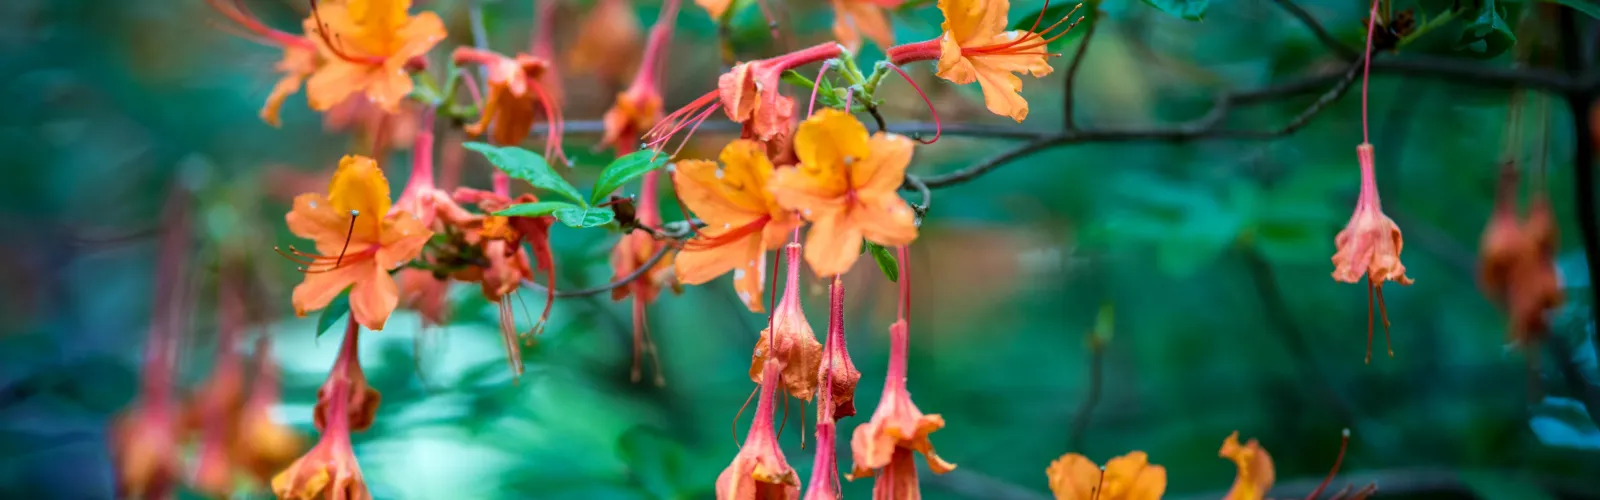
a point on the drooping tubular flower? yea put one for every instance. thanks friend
(854, 18)
(420, 289)
(1256, 473)
(344, 404)
(371, 47)
(790, 338)
(215, 407)
(638, 108)
(145, 437)
(499, 240)
(607, 42)
(759, 471)
(976, 47)
(742, 218)
(749, 95)
(634, 251)
(1369, 246)
(836, 378)
(1517, 261)
(846, 186)
(884, 445)
(521, 90)
(357, 243)
(264, 446)
(1128, 477)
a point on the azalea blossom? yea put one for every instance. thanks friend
(759, 471)
(846, 184)
(977, 47)
(356, 243)
(897, 429)
(1517, 268)
(742, 218)
(1256, 473)
(748, 94)
(854, 18)
(789, 338)
(1128, 477)
(638, 108)
(330, 470)
(1369, 246)
(369, 47)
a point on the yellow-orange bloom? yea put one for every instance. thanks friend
(1256, 474)
(846, 186)
(742, 218)
(521, 89)
(976, 47)
(356, 243)
(1128, 477)
(368, 46)
(854, 18)
(299, 62)
(608, 42)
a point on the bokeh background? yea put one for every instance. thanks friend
(1214, 255)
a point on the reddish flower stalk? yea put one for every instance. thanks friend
(216, 406)
(760, 471)
(344, 404)
(638, 108)
(836, 399)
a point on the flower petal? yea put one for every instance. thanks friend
(315, 219)
(373, 297)
(1073, 477)
(320, 287)
(832, 246)
(360, 186)
(974, 20)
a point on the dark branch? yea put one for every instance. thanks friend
(1067, 99)
(1316, 28)
(1080, 420)
(620, 282)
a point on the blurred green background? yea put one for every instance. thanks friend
(1215, 255)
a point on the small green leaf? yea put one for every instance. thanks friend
(1488, 34)
(827, 95)
(335, 310)
(1193, 10)
(623, 171)
(536, 209)
(1585, 6)
(886, 262)
(581, 217)
(526, 165)
(1057, 11)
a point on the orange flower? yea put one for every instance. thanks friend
(1370, 246)
(1128, 477)
(607, 42)
(499, 239)
(790, 338)
(357, 245)
(897, 424)
(298, 63)
(750, 95)
(264, 446)
(520, 89)
(742, 219)
(638, 108)
(853, 18)
(846, 186)
(145, 445)
(368, 46)
(760, 472)
(717, 8)
(976, 47)
(632, 252)
(836, 371)
(330, 470)
(1517, 261)
(1255, 468)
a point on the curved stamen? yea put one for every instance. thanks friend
(703, 241)
(696, 121)
(676, 121)
(812, 105)
(937, 127)
(552, 145)
(242, 16)
(1040, 38)
(1343, 444)
(322, 32)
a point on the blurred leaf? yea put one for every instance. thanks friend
(886, 261)
(1584, 6)
(335, 310)
(580, 217)
(537, 209)
(526, 165)
(654, 460)
(624, 170)
(1501, 486)
(1488, 34)
(1564, 423)
(1046, 17)
(1193, 10)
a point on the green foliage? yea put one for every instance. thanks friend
(536, 209)
(659, 465)
(1193, 10)
(582, 217)
(625, 170)
(528, 166)
(1487, 34)
(335, 311)
(885, 259)
(1585, 6)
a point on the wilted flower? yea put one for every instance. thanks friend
(344, 404)
(1369, 246)
(789, 338)
(759, 471)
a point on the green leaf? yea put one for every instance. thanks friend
(1046, 17)
(886, 262)
(581, 217)
(536, 209)
(1488, 34)
(526, 165)
(1193, 10)
(623, 171)
(828, 95)
(1584, 6)
(330, 315)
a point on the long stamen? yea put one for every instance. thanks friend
(1011, 45)
(697, 121)
(322, 32)
(937, 127)
(1344, 443)
(690, 114)
(552, 145)
(1383, 311)
(1370, 288)
(242, 16)
(347, 235)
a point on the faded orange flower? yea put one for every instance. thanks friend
(633, 252)
(1128, 477)
(846, 186)
(368, 46)
(1369, 246)
(759, 471)
(854, 18)
(897, 424)
(742, 218)
(1256, 473)
(607, 43)
(836, 371)
(357, 244)
(976, 47)
(790, 338)
(299, 62)
(520, 91)
(330, 470)
(750, 95)
(265, 446)
(1517, 268)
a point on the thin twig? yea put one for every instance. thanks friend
(620, 282)
(1080, 421)
(1067, 99)
(915, 183)
(1316, 28)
